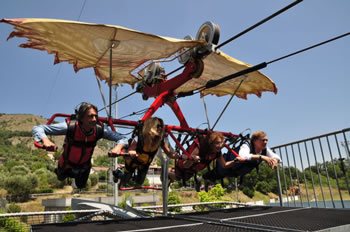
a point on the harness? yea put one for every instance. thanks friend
(206, 158)
(144, 157)
(242, 168)
(78, 145)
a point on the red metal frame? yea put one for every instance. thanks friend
(168, 128)
(164, 93)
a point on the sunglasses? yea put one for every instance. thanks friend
(159, 126)
(92, 116)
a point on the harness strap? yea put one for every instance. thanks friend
(70, 140)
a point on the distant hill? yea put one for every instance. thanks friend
(25, 122)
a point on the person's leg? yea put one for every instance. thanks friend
(141, 175)
(197, 182)
(82, 177)
(62, 171)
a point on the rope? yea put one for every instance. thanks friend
(102, 96)
(206, 112)
(228, 102)
(60, 66)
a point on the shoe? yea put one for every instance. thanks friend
(61, 176)
(197, 183)
(117, 174)
(206, 185)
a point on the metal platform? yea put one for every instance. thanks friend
(253, 218)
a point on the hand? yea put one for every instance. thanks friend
(118, 149)
(48, 145)
(133, 153)
(196, 158)
(270, 161)
(240, 159)
(275, 163)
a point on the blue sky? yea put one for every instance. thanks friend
(313, 87)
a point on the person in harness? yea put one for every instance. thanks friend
(147, 140)
(251, 153)
(202, 152)
(82, 131)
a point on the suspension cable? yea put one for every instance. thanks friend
(102, 96)
(259, 23)
(206, 112)
(120, 99)
(228, 102)
(81, 10)
(213, 83)
(246, 30)
(60, 65)
(135, 113)
(308, 48)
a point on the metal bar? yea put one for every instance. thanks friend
(279, 185)
(110, 78)
(171, 84)
(341, 159)
(297, 174)
(318, 173)
(315, 137)
(346, 146)
(285, 180)
(311, 174)
(326, 169)
(290, 174)
(305, 181)
(335, 172)
(165, 185)
(178, 113)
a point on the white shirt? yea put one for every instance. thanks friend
(244, 152)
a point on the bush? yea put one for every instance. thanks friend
(19, 187)
(68, 217)
(174, 199)
(93, 179)
(249, 192)
(126, 197)
(263, 187)
(102, 176)
(12, 225)
(102, 186)
(20, 170)
(13, 208)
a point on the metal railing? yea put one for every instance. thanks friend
(315, 171)
(23, 221)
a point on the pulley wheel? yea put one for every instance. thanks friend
(185, 53)
(199, 68)
(210, 33)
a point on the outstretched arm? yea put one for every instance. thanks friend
(224, 163)
(41, 132)
(111, 135)
(169, 151)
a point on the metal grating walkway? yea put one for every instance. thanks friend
(254, 218)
